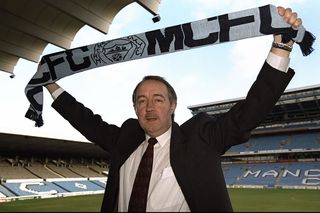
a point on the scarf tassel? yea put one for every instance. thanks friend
(306, 43)
(32, 115)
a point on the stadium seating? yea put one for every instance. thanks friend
(273, 174)
(302, 141)
(64, 177)
(78, 186)
(16, 172)
(34, 178)
(99, 183)
(41, 170)
(286, 174)
(85, 171)
(4, 192)
(59, 186)
(232, 172)
(22, 189)
(306, 141)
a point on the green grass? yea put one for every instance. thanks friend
(243, 200)
(87, 203)
(280, 200)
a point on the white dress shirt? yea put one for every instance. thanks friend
(278, 62)
(164, 191)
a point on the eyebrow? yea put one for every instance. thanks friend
(154, 95)
(159, 95)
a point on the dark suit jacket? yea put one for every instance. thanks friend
(196, 146)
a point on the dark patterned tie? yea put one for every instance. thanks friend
(139, 194)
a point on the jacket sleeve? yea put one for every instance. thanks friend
(235, 126)
(86, 122)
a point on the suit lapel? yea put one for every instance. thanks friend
(179, 160)
(132, 137)
(178, 146)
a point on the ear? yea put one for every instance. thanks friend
(173, 107)
(135, 109)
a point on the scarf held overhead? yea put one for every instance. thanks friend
(234, 26)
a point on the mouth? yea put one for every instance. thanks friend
(151, 118)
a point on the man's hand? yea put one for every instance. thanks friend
(291, 18)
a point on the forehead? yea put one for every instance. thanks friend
(152, 87)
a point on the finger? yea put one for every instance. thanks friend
(297, 23)
(287, 14)
(281, 11)
(293, 18)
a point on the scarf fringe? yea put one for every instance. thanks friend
(32, 115)
(306, 43)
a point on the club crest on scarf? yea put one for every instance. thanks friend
(118, 50)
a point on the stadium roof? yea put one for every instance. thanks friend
(27, 26)
(299, 105)
(23, 145)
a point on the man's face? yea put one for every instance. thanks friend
(153, 107)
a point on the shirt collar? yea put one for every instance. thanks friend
(162, 139)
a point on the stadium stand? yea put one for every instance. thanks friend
(42, 171)
(304, 141)
(42, 167)
(13, 169)
(64, 171)
(294, 174)
(79, 186)
(4, 192)
(284, 151)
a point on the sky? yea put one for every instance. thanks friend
(202, 75)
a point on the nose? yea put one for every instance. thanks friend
(150, 105)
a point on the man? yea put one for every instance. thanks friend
(186, 173)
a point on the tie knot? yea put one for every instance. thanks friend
(152, 141)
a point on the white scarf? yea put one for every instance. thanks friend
(234, 26)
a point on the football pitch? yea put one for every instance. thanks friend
(243, 200)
